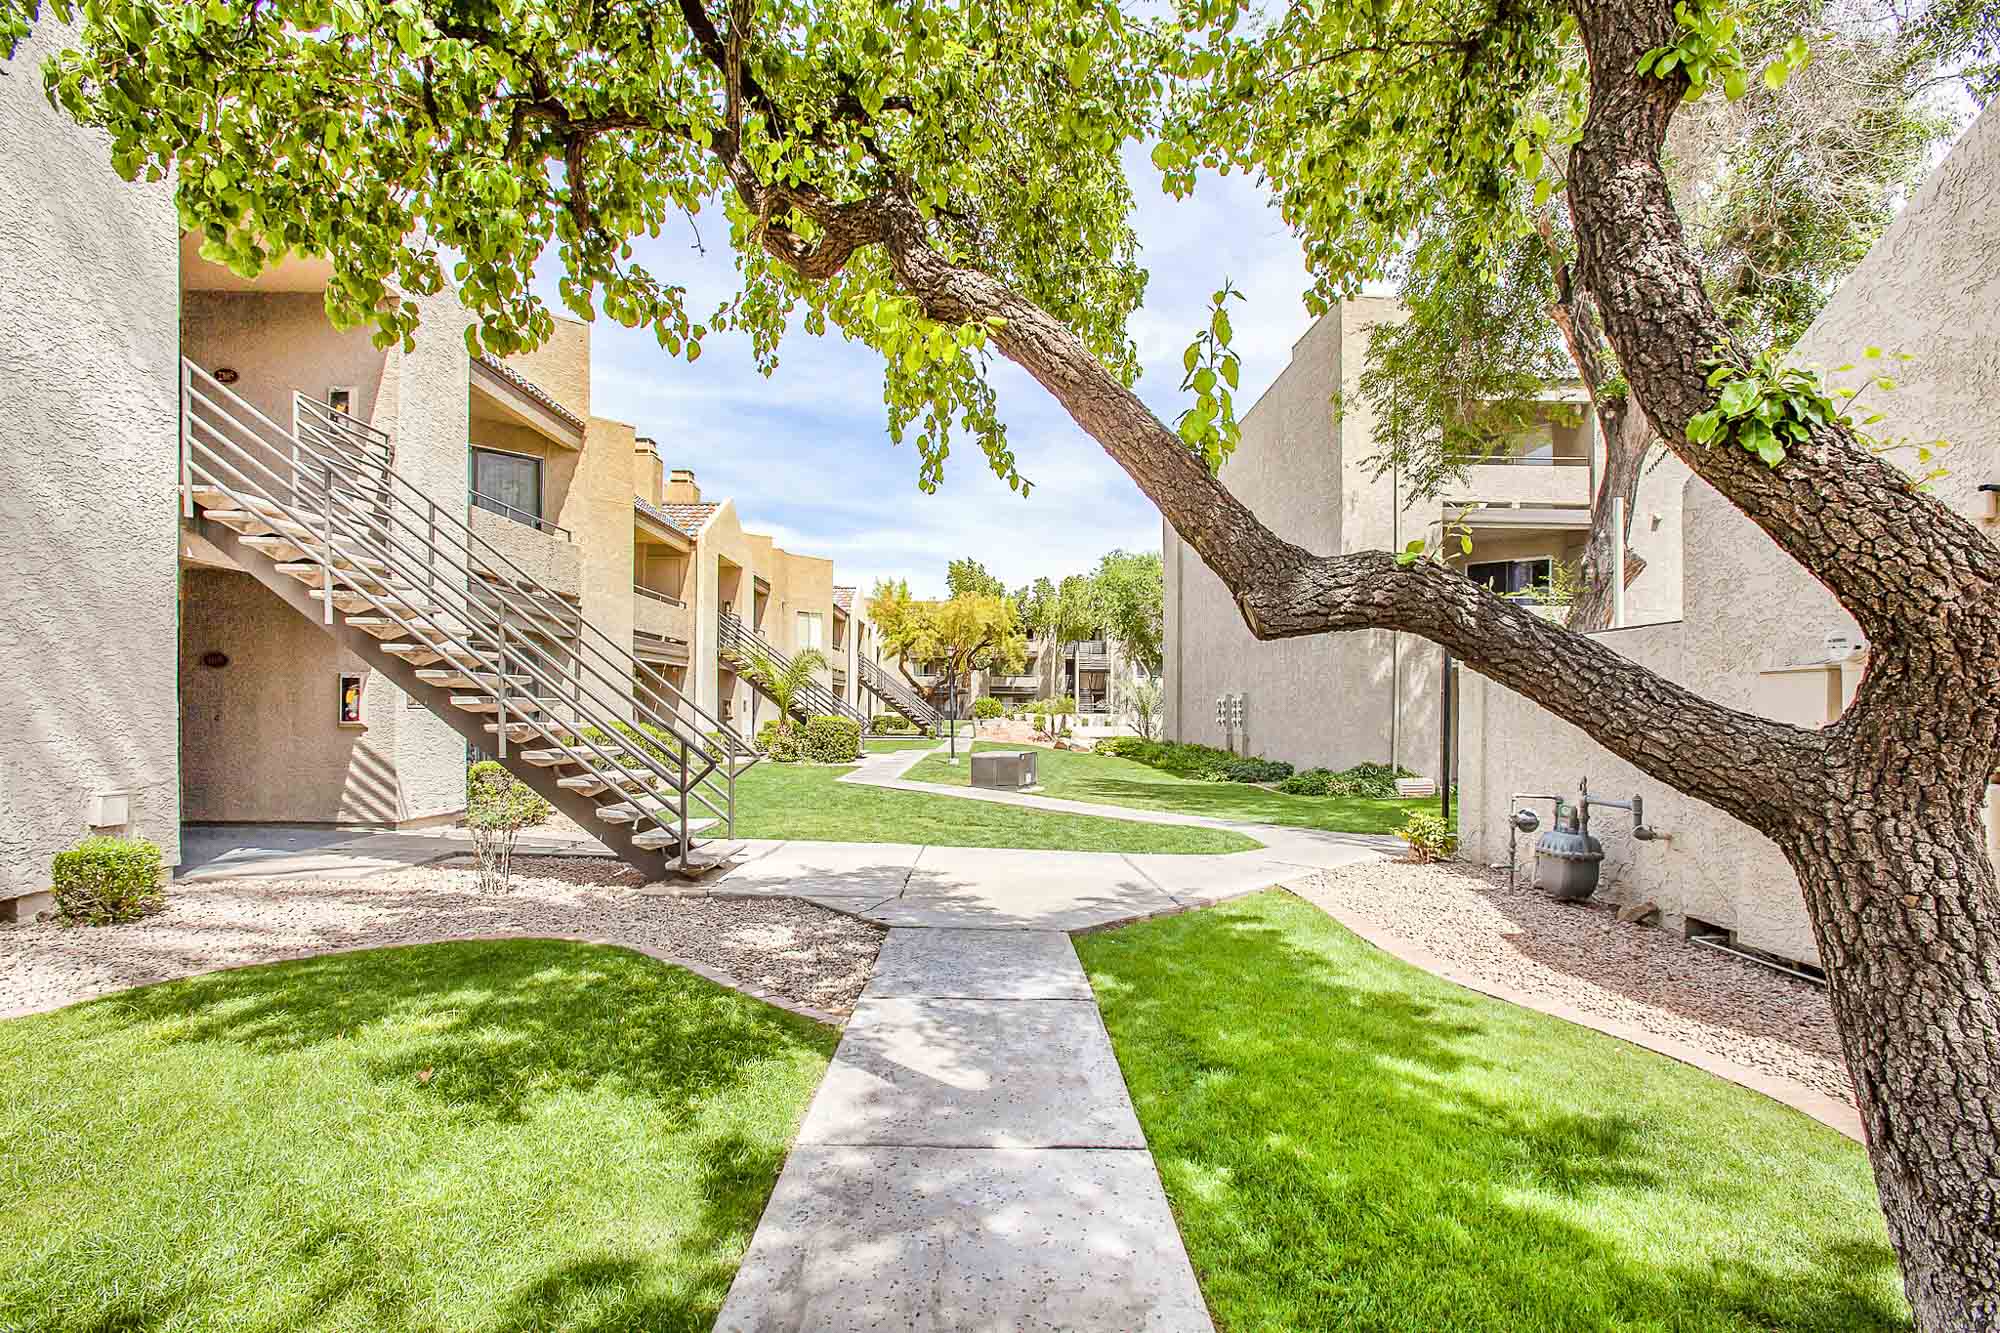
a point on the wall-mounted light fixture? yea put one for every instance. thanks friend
(215, 661)
(1991, 490)
(226, 375)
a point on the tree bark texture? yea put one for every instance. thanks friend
(1878, 813)
(1628, 440)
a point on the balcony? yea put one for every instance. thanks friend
(661, 615)
(1091, 655)
(542, 550)
(1013, 684)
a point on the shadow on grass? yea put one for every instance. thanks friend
(496, 1024)
(1350, 1144)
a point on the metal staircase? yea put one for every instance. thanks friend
(898, 696)
(318, 515)
(738, 645)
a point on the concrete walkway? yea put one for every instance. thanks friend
(972, 1161)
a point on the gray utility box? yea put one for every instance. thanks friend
(1003, 770)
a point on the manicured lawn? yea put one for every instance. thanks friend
(888, 745)
(1350, 1143)
(1079, 775)
(494, 1136)
(805, 801)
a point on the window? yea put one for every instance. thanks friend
(812, 631)
(340, 399)
(1513, 576)
(507, 484)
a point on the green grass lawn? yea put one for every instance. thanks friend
(891, 744)
(457, 1136)
(1350, 1143)
(1080, 775)
(805, 801)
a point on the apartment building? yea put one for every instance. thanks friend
(258, 569)
(1303, 465)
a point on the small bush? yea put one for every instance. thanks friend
(107, 881)
(1256, 770)
(497, 807)
(1312, 782)
(779, 740)
(988, 708)
(893, 724)
(1430, 838)
(831, 740)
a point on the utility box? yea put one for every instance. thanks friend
(1003, 770)
(109, 809)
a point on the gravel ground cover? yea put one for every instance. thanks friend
(806, 954)
(1583, 956)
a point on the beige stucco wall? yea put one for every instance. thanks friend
(1334, 699)
(1931, 286)
(551, 559)
(560, 367)
(599, 514)
(263, 739)
(281, 342)
(88, 515)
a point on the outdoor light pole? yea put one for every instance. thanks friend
(951, 715)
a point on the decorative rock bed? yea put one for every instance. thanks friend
(794, 951)
(1580, 956)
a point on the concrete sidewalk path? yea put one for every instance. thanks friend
(971, 1162)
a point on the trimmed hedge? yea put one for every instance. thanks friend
(1256, 770)
(986, 707)
(1372, 780)
(107, 881)
(893, 724)
(831, 740)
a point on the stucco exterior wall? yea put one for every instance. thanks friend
(553, 560)
(1756, 628)
(600, 516)
(281, 342)
(88, 512)
(1336, 699)
(263, 738)
(560, 367)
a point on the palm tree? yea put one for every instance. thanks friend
(787, 682)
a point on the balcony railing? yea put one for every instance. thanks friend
(505, 510)
(658, 596)
(1515, 460)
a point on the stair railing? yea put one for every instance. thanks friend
(734, 636)
(305, 490)
(878, 680)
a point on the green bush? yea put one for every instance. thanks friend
(779, 740)
(892, 724)
(1430, 838)
(107, 881)
(831, 740)
(1256, 770)
(985, 709)
(498, 797)
(1372, 780)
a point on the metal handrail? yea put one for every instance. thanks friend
(644, 591)
(374, 532)
(733, 634)
(525, 517)
(526, 583)
(316, 469)
(907, 701)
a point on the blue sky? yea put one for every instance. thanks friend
(806, 454)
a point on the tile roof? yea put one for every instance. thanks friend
(663, 518)
(529, 387)
(843, 599)
(689, 518)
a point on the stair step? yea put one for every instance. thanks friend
(656, 806)
(486, 703)
(527, 733)
(284, 549)
(709, 857)
(544, 758)
(347, 600)
(313, 574)
(659, 839)
(383, 627)
(242, 520)
(591, 784)
(458, 678)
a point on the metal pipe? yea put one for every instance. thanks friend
(1514, 830)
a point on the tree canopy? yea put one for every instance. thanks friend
(971, 631)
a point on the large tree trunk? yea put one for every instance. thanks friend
(1909, 931)
(1885, 831)
(1628, 440)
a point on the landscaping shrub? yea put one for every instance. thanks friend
(893, 724)
(107, 881)
(1052, 716)
(1430, 838)
(1312, 782)
(1256, 770)
(831, 740)
(779, 740)
(1371, 780)
(497, 807)
(986, 709)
